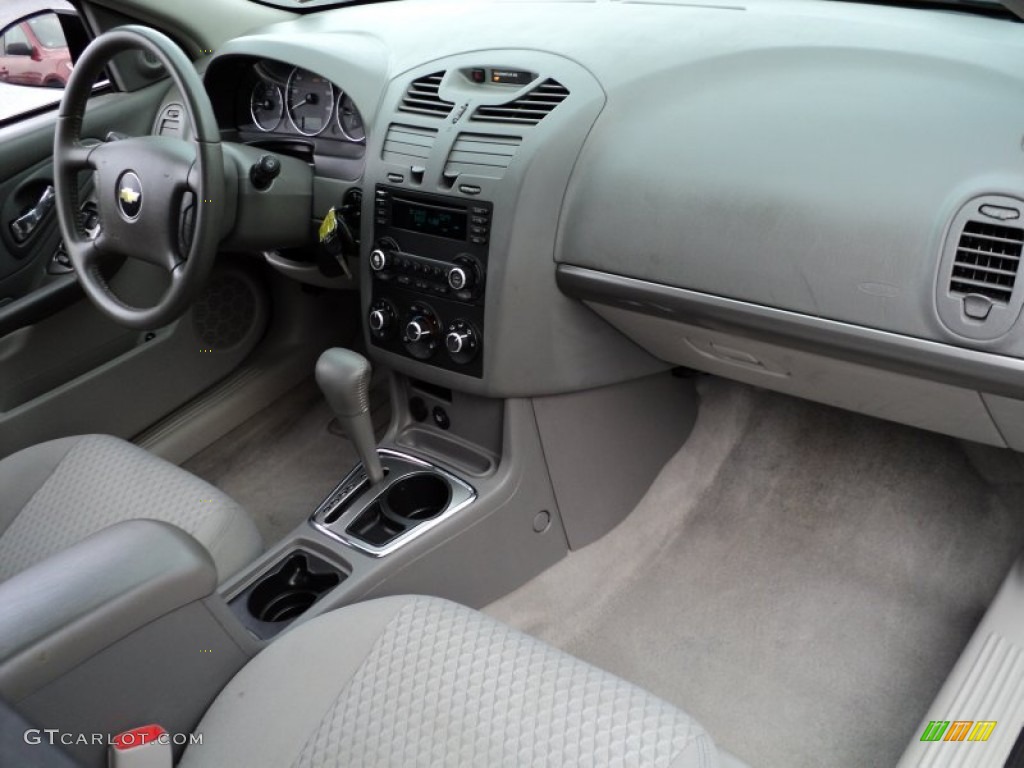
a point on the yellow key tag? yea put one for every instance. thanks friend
(329, 227)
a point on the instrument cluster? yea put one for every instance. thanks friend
(282, 100)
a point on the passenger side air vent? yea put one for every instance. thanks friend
(986, 261)
(481, 154)
(404, 144)
(528, 109)
(978, 294)
(422, 98)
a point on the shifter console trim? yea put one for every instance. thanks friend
(353, 496)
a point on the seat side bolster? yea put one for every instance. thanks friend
(289, 686)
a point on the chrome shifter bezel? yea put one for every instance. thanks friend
(354, 496)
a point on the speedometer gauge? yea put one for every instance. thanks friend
(310, 102)
(266, 105)
(349, 120)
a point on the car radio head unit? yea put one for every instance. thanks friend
(429, 277)
(428, 219)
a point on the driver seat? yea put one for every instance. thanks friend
(55, 494)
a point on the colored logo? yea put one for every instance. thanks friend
(958, 730)
(129, 195)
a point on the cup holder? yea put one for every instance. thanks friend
(291, 589)
(418, 497)
(407, 503)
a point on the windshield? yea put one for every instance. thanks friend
(47, 28)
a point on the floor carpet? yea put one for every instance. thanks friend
(281, 463)
(800, 579)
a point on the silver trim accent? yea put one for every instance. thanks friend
(354, 496)
(252, 108)
(288, 106)
(415, 331)
(457, 278)
(378, 259)
(455, 341)
(337, 117)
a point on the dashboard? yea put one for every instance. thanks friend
(823, 198)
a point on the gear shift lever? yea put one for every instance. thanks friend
(344, 378)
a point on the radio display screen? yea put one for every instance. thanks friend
(429, 219)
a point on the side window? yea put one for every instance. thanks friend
(35, 58)
(16, 42)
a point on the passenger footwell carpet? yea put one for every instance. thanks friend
(281, 463)
(800, 579)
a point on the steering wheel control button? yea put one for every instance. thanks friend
(462, 341)
(129, 195)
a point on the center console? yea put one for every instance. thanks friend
(429, 267)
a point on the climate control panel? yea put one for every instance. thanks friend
(428, 276)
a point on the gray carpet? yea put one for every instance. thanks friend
(281, 463)
(799, 579)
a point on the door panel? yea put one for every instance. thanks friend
(70, 370)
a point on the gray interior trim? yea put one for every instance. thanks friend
(125, 576)
(986, 684)
(934, 360)
(40, 304)
(604, 447)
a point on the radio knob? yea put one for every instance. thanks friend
(379, 259)
(460, 279)
(418, 329)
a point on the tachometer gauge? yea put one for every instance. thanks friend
(266, 105)
(349, 120)
(310, 102)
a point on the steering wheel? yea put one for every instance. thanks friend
(141, 186)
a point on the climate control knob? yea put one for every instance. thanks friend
(382, 319)
(422, 333)
(379, 259)
(462, 341)
(418, 329)
(456, 341)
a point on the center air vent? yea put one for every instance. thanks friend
(979, 296)
(480, 154)
(986, 261)
(405, 144)
(528, 109)
(422, 97)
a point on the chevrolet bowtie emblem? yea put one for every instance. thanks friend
(129, 195)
